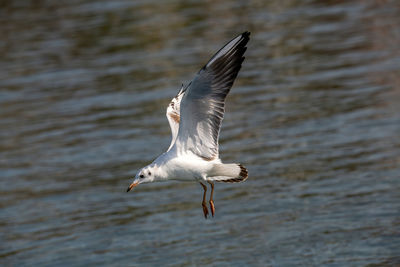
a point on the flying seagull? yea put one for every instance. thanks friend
(195, 115)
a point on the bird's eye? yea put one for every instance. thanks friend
(141, 176)
(149, 173)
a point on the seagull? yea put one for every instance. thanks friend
(195, 115)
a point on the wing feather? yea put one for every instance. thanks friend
(173, 115)
(202, 105)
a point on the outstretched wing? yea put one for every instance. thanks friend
(173, 114)
(202, 106)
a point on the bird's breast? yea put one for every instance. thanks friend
(186, 168)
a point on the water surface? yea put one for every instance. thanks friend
(314, 116)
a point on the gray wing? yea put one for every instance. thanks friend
(203, 104)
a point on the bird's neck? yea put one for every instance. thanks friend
(160, 167)
(159, 173)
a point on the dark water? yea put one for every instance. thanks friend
(314, 115)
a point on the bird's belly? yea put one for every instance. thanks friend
(188, 170)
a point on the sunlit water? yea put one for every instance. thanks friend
(314, 116)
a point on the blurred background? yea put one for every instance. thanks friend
(314, 115)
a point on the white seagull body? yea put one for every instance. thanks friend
(195, 116)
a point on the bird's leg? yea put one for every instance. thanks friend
(205, 210)
(212, 207)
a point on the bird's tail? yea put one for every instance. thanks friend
(229, 173)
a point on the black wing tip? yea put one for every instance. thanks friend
(239, 45)
(246, 37)
(246, 34)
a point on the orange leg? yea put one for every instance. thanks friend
(212, 207)
(205, 210)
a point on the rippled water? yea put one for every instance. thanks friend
(314, 116)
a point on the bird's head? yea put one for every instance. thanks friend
(145, 175)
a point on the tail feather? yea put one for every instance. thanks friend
(228, 173)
